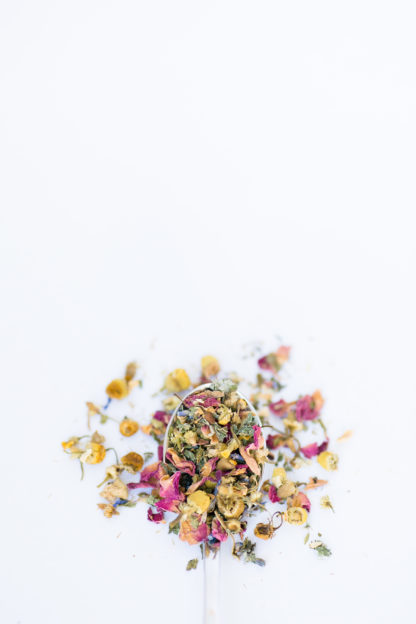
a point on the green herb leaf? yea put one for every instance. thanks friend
(192, 564)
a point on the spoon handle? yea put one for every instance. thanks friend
(211, 588)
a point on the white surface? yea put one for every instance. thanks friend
(206, 173)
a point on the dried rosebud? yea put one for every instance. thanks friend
(117, 389)
(210, 366)
(132, 462)
(296, 515)
(328, 460)
(177, 381)
(128, 427)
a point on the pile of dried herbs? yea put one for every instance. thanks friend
(210, 474)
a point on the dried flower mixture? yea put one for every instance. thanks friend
(214, 447)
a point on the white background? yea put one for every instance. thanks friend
(204, 174)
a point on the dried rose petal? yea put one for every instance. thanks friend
(157, 516)
(218, 531)
(273, 494)
(279, 408)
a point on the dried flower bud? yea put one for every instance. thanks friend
(210, 366)
(234, 525)
(287, 489)
(171, 403)
(230, 507)
(133, 462)
(128, 427)
(94, 453)
(131, 370)
(177, 381)
(117, 389)
(199, 500)
(264, 531)
(328, 460)
(297, 515)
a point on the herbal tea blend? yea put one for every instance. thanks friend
(213, 447)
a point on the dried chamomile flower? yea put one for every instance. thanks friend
(325, 503)
(117, 389)
(285, 487)
(132, 462)
(224, 415)
(199, 500)
(171, 403)
(264, 531)
(230, 506)
(292, 424)
(94, 453)
(279, 477)
(177, 381)
(116, 489)
(296, 515)
(234, 525)
(209, 473)
(210, 366)
(128, 427)
(328, 460)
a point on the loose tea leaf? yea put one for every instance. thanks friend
(192, 564)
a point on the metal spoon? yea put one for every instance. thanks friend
(211, 564)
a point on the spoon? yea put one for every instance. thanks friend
(211, 564)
